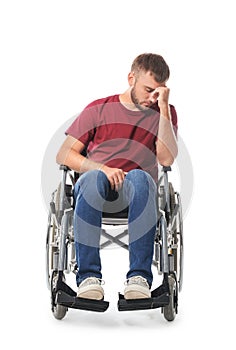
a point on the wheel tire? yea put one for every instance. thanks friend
(51, 246)
(178, 236)
(50, 249)
(170, 310)
(59, 311)
(172, 198)
(179, 253)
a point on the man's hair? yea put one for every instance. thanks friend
(155, 64)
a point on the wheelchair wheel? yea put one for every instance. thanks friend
(58, 311)
(177, 234)
(52, 244)
(170, 310)
(67, 199)
(51, 250)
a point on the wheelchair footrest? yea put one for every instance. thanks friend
(67, 300)
(159, 297)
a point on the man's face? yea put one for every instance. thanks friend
(143, 88)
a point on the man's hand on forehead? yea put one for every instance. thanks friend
(156, 93)
(161, 93)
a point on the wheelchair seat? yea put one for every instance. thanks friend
(119, 218)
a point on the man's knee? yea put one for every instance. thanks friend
(93, 181)
(141, 180)
(139, 187)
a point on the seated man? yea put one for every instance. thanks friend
(125, 137)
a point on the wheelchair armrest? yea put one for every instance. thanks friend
(166, 168)
(64, 167)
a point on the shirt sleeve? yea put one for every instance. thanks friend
(84, 126)
(174, 118)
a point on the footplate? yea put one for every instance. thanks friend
(66, 296)
(159, 297)
(67, 300)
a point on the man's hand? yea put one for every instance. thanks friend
(162, 94)
(115, 176)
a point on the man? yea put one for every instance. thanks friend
(125, 137)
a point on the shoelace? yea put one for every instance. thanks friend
(137, 279)
(92, 280)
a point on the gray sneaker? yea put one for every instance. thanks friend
(91, 288)
(137, 288)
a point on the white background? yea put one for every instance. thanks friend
(57, 56)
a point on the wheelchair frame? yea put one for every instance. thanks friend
(168, 251)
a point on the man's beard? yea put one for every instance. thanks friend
(136, 102)
(135, 99)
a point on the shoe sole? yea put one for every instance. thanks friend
(135, 294)
(96, 294)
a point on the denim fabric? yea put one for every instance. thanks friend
(92, 192)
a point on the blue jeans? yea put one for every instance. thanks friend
(138, 193)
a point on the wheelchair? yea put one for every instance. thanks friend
(167, 258)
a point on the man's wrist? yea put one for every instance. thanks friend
(87, 165)
(164, 110)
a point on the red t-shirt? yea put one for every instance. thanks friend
(118, 137)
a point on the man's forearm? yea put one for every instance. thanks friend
(166, 147)
(87, 165)
(76, 161)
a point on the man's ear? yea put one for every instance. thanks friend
(131, 79)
